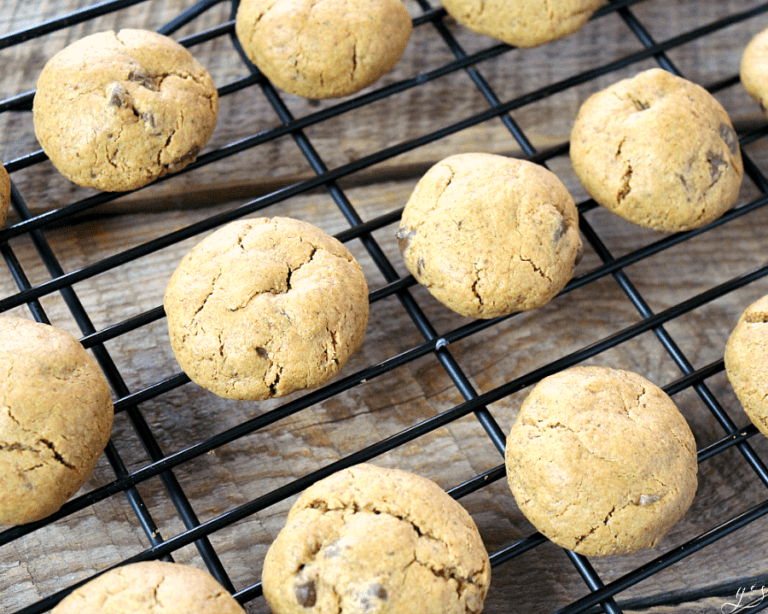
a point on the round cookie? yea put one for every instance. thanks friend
(115, 111)
(55, 419)
(264, 307)
(5, 194)
(754, 69)
(323, 49)
(659, 151)
(488, 235)
(746, 362)
(601, 461)
(522, 23)
(150, 587)
(375, 540)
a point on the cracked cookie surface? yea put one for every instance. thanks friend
(746, 362)
(116, 110)
(150, 587)
(264, 307)
(658, 151)
(55, 418)
(323, 48)
(523, 23)
(488, 235)
(370, 540)
(601, 461)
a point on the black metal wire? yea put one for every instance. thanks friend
(438, 345)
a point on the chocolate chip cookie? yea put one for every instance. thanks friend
(522, 23)
(658, 151)
(323, 48)
(116, 110)
(264, 307)
(55, 418)
(488, 235)
(601, 461)
(368, 539)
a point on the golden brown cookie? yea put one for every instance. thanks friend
(523, 23)
(601, 461)
(754, 69)
(323, 48)
(368, 540)
(55, 418)
(151, 587)
(658, 151)
(115, 111)
(488, 235)
(746, 362)
(5, 194)
(264, 307)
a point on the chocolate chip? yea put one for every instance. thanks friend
(716, 165)
(262, 352)
(404, 238)
(306, 594)
(729, 137)
(559, 231)
(119, 97)
(378, 591)
(142, 79)
(187, 157)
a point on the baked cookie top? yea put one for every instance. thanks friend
(488, 235)
(264, 307)
(754, 69)
(746, 362)
(150, 587)
(55, 418)
(368, 539)
(116, 110)
(601, 461)
(522, 23)
(658, 151)
(323, 48)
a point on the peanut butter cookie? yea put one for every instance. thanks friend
(754, 69)
(264, 307)
(746, 362)
(55, 419)
(115, 111)
(658, 151)
(522, 23)
(323, 48)
(601, 461)
(368, 540)
(151, 587)
(488, 235)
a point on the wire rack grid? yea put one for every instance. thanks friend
(192, 478)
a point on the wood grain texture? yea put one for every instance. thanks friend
(44, 561)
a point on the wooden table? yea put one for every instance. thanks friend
(428, 113)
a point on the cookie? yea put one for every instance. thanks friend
(754, 69)
(115, 111)
(55, 419)
(264, 307)
(372, 540)
(488, 235)
(150, 587)
(746, 362)
(325, 49)
(522, 23)
(5, 194)
(659, 151)
(601, 461)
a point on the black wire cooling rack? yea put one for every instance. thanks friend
(164, 485)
